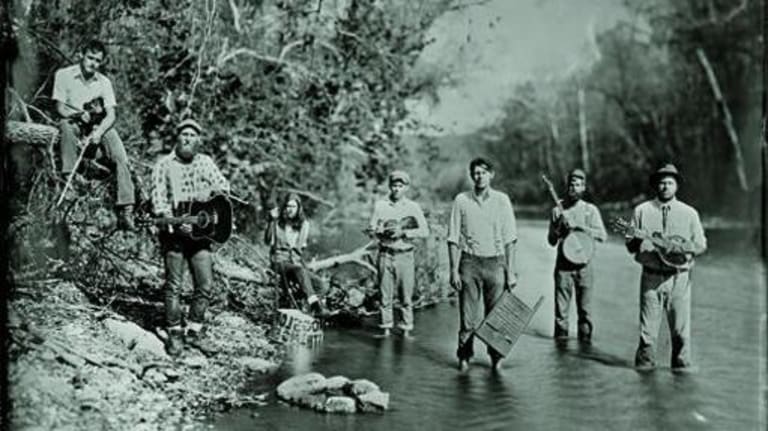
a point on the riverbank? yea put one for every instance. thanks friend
(76, 366)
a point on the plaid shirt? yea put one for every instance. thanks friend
(175, 181)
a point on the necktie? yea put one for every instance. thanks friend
(664, 217)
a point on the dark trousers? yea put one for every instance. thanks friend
(482, 284)
(114, 149)
(294, 273)
(579, 281)
(179, 252)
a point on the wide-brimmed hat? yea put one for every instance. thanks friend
(667, 170)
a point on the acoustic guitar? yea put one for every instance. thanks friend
(578, 245)
(662, 244)
(211, 220)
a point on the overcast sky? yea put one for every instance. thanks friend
(492, 47)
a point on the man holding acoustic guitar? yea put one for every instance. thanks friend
(181, 181)
(85, 101)
(574, 227)
(664, 235)
(396, 221)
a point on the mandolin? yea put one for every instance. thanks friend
(578, 245)
(662, 244)
(211, 220)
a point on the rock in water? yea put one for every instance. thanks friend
(375, 401)
(340, 405)
(361, 386)
(315, 401)
(336, 383)
(296, 386)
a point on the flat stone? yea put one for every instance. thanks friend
(361, 386)
(314, 401)
(336, 383)
(340, 405)
(375, 401)
(136, 338)
(256, 364)
(296, 386)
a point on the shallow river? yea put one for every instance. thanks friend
(542, 386)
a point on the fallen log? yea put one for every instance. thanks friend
(357, 256)
(35, 134)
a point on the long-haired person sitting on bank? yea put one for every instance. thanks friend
(287, 235)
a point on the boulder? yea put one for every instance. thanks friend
(296, 386)
(314, 401)
(336, 383)
(136, 338)
(361, 386)
(375, 401)
(340, 405)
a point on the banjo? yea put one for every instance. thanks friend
(578, 245)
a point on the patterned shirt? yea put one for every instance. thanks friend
(386, 209)
(681, 219)
(71, 87)
(482, 225)
(175, 181)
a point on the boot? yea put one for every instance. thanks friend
(175, 343)
(198, 339)
(125, 218)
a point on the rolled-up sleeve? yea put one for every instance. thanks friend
(217, 180)
(108, 93)
(160, 201)
(596, 225)
(60, 85)
(454, 224)
(697, 233)
(422, 230)
(509, 226)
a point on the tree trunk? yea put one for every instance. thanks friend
(727, 120)
(583, 130)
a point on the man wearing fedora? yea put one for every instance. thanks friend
(396, 265)
(665, 289)
(572, 277)
(178, 179)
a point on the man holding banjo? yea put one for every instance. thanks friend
(574, 227)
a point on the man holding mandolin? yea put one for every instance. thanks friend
(574, 227)
(181, 180)
(664, 235)
(85, 101)
(396, 221)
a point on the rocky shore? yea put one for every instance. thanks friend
(77, 366)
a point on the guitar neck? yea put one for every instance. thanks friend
(553, 194)
(175, 220)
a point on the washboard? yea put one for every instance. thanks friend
(506, 321)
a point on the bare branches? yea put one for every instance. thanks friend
(309, 195)
(210, 12)
(235, 16)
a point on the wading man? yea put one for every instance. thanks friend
(482, 237)
(574, 216)
(397, 221)
(85, 101)
(666, 235)
(178, 179)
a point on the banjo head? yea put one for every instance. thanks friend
(578, 247)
